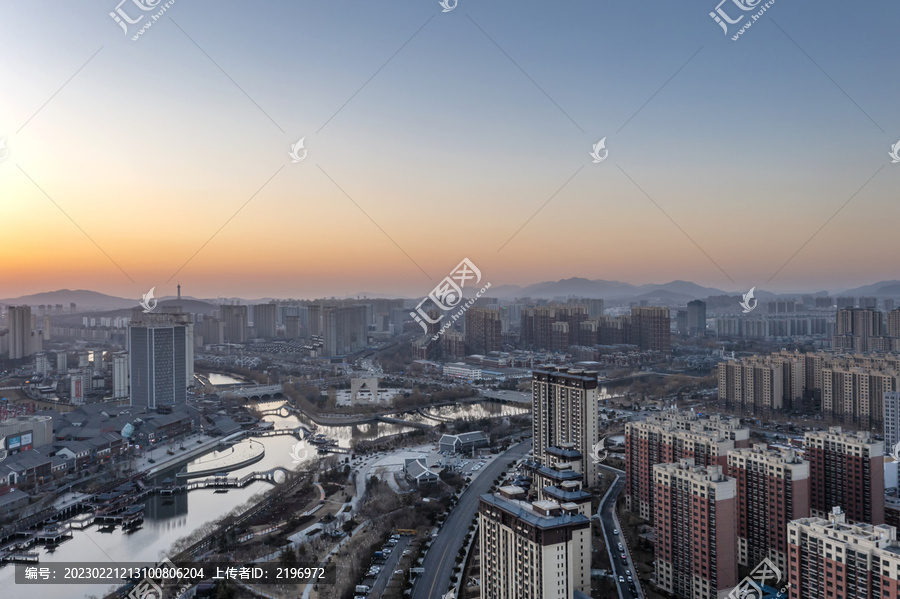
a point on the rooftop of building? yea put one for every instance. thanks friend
(533, 513)
(838, 529)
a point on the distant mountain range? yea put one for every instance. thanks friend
(882, 289)
(580, 287)
(666, 293)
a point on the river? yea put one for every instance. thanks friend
(165, 524)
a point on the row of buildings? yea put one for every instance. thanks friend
(866, 330)
(717, 503)
(849, 388)
(559, 327)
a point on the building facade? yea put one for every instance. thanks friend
(538, 550)
(695, 518)
(668, 438)
(833, 558)
(772, 490)
(565, 404)
(847, 471)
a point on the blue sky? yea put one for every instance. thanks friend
(445, 150)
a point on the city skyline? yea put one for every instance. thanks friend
(432, 137)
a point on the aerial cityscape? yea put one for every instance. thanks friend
(449, 300)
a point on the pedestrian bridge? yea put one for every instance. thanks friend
(256, 392)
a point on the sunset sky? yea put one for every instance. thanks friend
(449, 147)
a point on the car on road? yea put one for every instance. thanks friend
(624, 557)
(621, 579)
(616, 531)
(621, 547)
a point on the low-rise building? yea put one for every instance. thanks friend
(418, 471)
(463, 442)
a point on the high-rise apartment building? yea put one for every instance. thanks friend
(483, 330)
(651, 328)
(846, 470)
(344, 329)
(836, 559)
(565, 404)
(453, 345)
(160, 359)
(62, 362)
(41, 363)
(21, 342)
(891, 420)
(670, 437)
(120, 375)
(235, 319)
(293, 329)
(264, 325)
(79, 384)
(859, 329)
(695, 517)
(772, 490)
(849, 388)
(212, 331)
(855, 393)
(315, 319)
(696, 317)
(893, 323)
(538, 550)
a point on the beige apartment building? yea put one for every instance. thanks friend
(532, 550)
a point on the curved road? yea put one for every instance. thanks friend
(440, 560)
(609, 521)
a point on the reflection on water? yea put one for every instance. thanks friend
(222, 379)
(470, 411)
(345, 436)
(168, 519)
(164, 523)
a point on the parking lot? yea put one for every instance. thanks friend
(384, 566)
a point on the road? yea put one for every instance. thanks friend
(609, 522)
(440, 560)
(387, 569)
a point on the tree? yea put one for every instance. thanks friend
(288, 556)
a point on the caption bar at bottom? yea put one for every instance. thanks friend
(126, 572)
